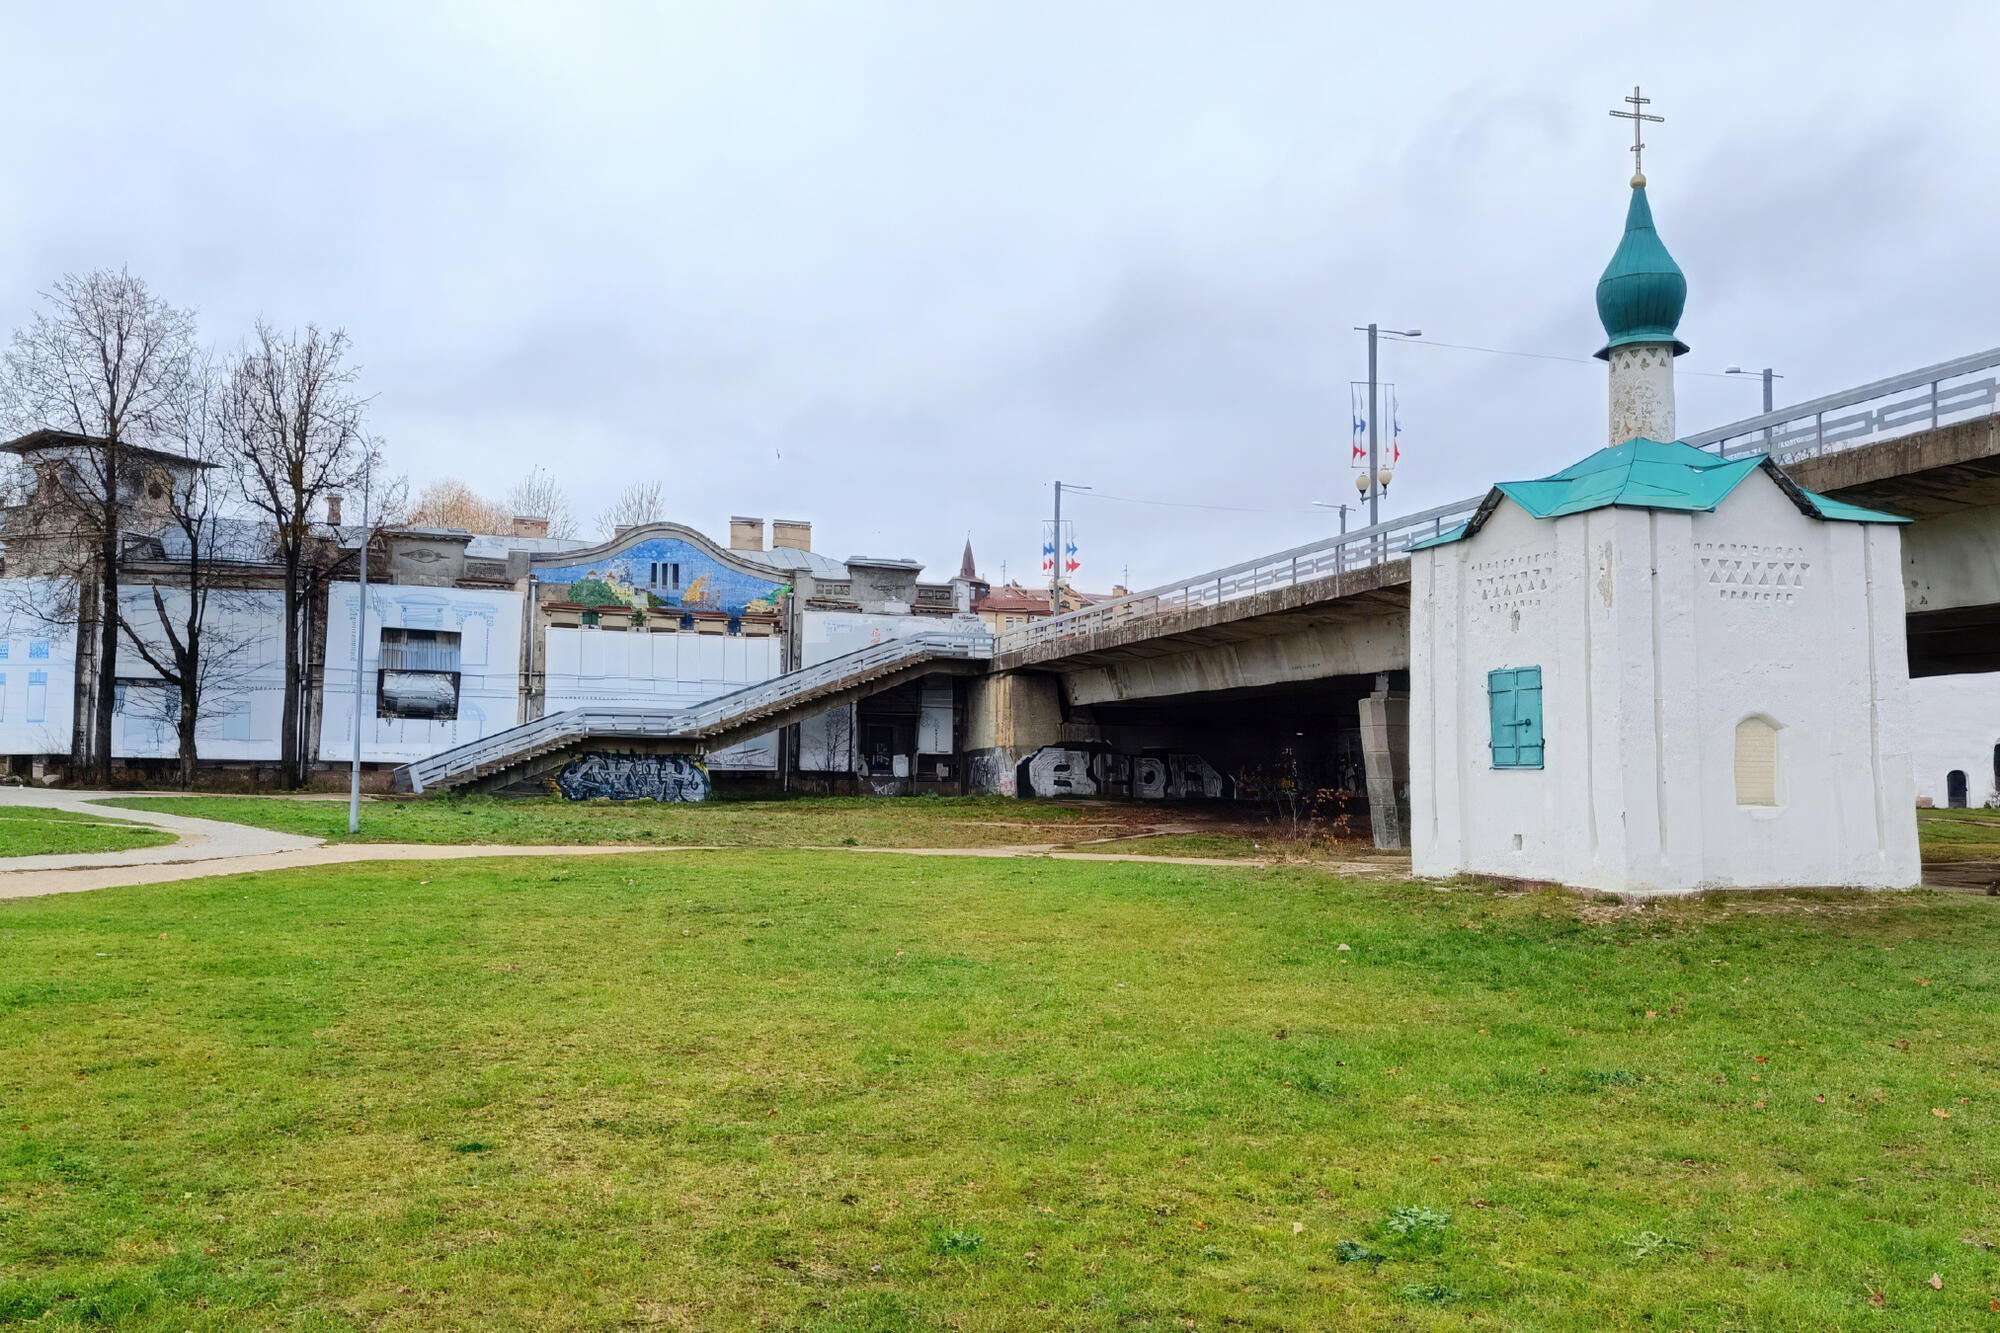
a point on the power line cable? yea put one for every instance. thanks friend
(1544, 356)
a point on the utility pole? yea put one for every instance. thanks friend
(1373, 490)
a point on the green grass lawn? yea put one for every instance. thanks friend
(805, 1090)
(28, 831)
(965, 821)
(1959, 835)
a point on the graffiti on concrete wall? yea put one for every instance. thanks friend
(634, 777)
(1060, 770)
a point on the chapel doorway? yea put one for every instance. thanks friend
(1954, 789)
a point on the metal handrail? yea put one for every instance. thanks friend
(1925, 399)
(1788, 435)
(701, 720)
(1359, 549)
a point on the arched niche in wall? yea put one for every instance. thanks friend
(1757, 761)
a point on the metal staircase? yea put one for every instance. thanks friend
(710, 724)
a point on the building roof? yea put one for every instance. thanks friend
(1647, 474)
(790, 560)
(966, 568)
(1642, 292)
(37, 440)
(492, 546)
(1017, 600)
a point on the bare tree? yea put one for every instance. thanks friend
(193, 631)
(640, 502)
(296, 434)
(105, 363)
(450, 503)
(540, 495)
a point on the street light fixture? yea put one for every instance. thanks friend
(1768, 375)
(1372, 484)
(1343, 508)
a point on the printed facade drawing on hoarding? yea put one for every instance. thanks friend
(664, 572)
(1058, 770)
(634, 777)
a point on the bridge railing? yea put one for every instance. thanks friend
(1358, 549)
(1950, 391)
(1964, 389)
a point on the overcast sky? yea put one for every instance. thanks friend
(893, 268)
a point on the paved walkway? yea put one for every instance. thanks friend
(212, 847)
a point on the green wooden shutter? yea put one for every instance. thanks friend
(1500, 703)
(1528, 715)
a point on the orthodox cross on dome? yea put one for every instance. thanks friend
(1637, 115)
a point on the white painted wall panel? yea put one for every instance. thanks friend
(1955, 725)
(489, 693)
(662, 670)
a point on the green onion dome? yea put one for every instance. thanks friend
(1642, 292)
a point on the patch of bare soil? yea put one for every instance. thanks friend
(1974, 876)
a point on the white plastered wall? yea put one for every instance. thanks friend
(1649, 661)
(1956, 726)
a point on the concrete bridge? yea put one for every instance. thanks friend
(1289, 673)
(1295, 663)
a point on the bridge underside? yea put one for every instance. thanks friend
(1948, 480)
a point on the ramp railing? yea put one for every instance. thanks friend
(697, 721)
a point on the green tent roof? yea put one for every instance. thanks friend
(1646, 474)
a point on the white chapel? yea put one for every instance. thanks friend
(1658, 670)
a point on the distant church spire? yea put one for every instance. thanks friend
(966, 569)
(1639, 301)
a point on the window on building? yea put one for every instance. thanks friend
(666, 574)
(1954, 789)
(147, 700)
(419, 650)
(38, 695)
(418, 674)
(1514, 700)
(1756, 762)
(38, 650)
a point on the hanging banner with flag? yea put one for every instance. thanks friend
(1068, 544)
(1387, 443)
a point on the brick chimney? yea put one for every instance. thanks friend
(791, 534)
(746, 534)
(525, 526)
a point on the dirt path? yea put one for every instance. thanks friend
(39, 883)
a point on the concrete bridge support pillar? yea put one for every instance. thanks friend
(1007, 718)
(1385, 753)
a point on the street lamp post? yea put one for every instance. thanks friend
(360, 641)
(1321, 504)
(1374, 487)
(1056, 569)
(1768, 375)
